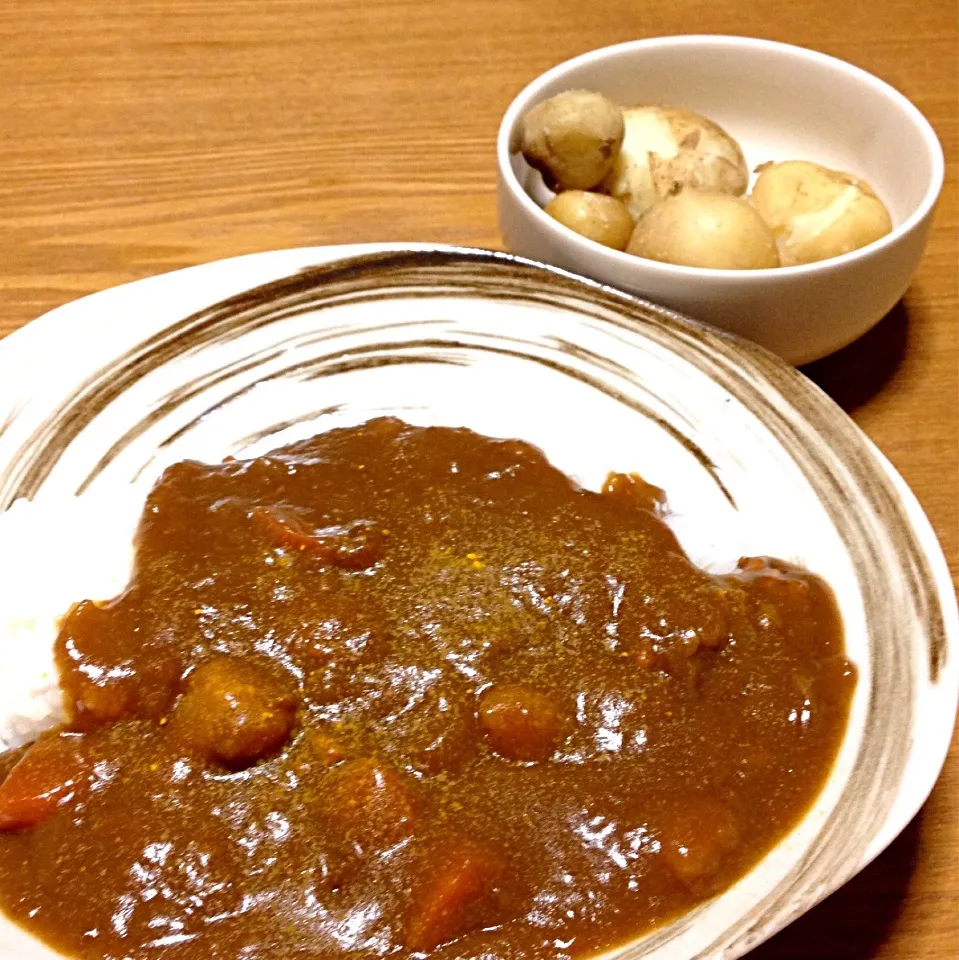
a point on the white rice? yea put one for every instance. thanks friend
(53, 552)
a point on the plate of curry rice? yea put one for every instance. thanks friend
(413, 601)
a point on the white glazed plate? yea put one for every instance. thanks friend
(240, 356)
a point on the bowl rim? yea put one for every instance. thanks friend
(928, 136)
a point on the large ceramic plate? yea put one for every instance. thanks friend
(240, 356)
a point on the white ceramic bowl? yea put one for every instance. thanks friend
(780, 102)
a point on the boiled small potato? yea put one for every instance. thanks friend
(818, 213)
(593, 215)
(666, 150)
(697, 229)
(572, 138)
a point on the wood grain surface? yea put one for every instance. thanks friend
(141, 136)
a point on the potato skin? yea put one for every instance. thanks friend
(713, 230)
(667, 149)
(593, 215)
(818, 213)
(573, 138)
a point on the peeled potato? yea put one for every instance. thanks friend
(573, 137)
(818, 213)
(697, 229)
(666, 150)
(593, 215)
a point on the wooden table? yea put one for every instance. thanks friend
(144, 136)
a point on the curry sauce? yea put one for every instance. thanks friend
(397, 690)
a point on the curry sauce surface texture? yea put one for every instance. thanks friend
(398, 691)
